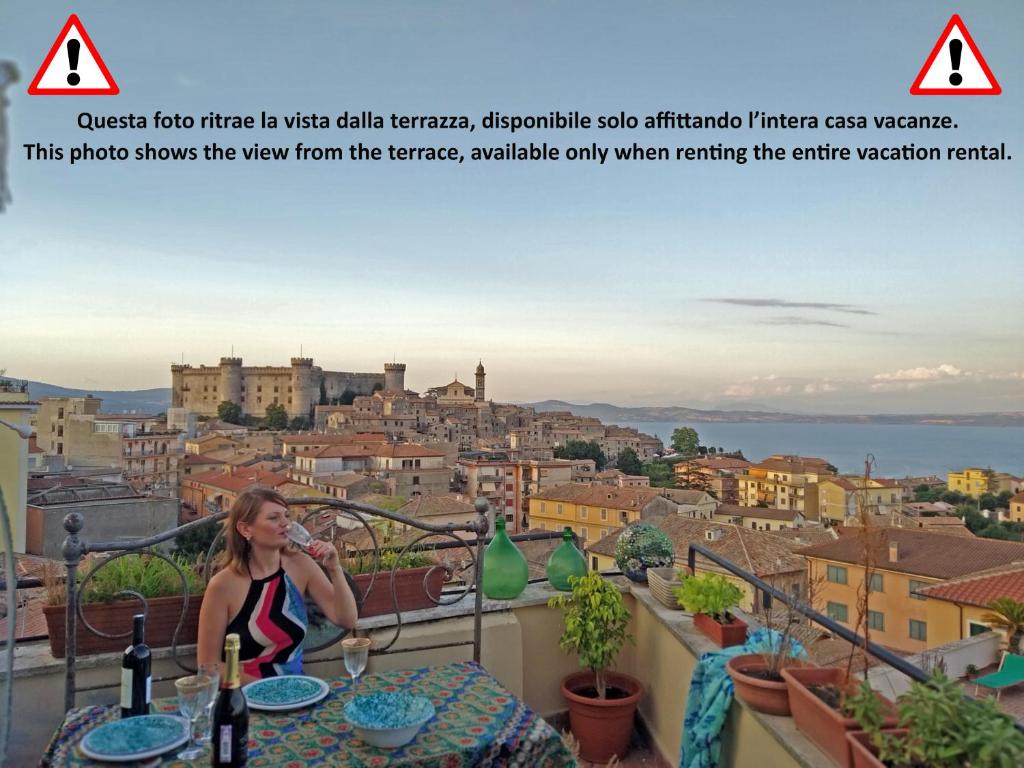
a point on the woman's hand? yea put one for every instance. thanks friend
(324, 552)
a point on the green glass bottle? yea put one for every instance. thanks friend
(505, 569)
(564, 562)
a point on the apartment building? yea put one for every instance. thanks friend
(785, 482)
(843, 497)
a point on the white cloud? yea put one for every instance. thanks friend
(944, 371)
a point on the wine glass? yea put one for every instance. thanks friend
(206, 717)
(356, 651)
(297, 533)
(195, 693)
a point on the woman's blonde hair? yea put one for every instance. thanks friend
(244, 510)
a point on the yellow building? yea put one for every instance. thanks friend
(972, 481)
(841, 498)
(1017, 508)
(15, 410)
(957, 608)
(906, 562)
(593, 511)
(784, 482)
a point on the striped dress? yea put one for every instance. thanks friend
(272, 626)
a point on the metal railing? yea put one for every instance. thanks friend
(769, 592)
(76, 547)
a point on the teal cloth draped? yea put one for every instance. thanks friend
(711, 692)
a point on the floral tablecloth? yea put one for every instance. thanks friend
(478, 723)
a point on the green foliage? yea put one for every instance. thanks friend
(298, 423)
(595, 624)
(1007, 613)
(580, 449)
(642, 545)
(277, 416)
(323, 393)
(710, 594)
(629, 462)
(148, 575)
(195, 542)
(686, 441)
(363, 561)
(660, 473)
(229, 412)
(947, 730)
(691, 477)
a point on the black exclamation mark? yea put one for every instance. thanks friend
(73, 47)
(956, 47)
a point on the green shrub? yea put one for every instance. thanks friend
(710, 594)
(148, 575)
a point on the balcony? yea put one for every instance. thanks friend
(519, 647)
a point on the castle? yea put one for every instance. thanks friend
(297, 387)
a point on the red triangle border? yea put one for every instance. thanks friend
(111, 90)
(956, 21)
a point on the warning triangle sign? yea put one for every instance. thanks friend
(955, 67)
(73, 67)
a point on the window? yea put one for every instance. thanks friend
(508, 486)
(754, 526)
(877, 582)
(836, 611)
(623, 516)
(60, 431)
(60, 448)
(604, 514)
(275, 389)
(977, 629)
(593, 563)
(415, 479)
(836, 574)
(542, 507)
(583, 534)
(559, 509)
(60, 413)
(915, 586)
(510, 517)
(876, 620)
(918, 630)
(583, 513)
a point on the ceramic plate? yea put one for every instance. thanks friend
(385, 711)
(135, 738)
(275, 694)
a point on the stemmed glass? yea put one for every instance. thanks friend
(195, 693)
(356, 651)
(205, 719)
(297, 532)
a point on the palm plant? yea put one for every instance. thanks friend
(1007, 614)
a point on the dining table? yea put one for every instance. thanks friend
(477, 722)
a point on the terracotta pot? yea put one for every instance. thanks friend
(822, 724)
(603, 727)
(116, 618)
(722, 635)
(413, 593)
(768, 696)
(862, 750)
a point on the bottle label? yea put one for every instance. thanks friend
(126, 688)
(225, 743)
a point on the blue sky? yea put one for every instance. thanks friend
(626, 283)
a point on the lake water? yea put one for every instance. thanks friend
(899, 449)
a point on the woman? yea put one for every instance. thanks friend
(259, 591)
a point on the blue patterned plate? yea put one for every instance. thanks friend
(276, 694)
(135, 738)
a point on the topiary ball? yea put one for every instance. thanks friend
(642, 546)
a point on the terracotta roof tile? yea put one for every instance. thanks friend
(598, 495)
(789, 515)
(982, 588)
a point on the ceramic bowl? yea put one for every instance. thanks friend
(388, 720)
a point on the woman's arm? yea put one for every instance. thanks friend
(213, 622)
(331, 591)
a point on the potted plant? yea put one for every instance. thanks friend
(938, 728)
(601, 703)
(418, 580)
(757, 677)
(1007, 614)
(105, 606)
(710, 597)
(642, 546)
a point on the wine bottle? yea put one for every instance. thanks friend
(136, 678)
(230, 714)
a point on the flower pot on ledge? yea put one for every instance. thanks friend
(863, 752)
(757, 692)
(820, 722)
(603, 727)
(116, 618)
(722, 635)
(413, 593)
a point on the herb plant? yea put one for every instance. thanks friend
(710, 594)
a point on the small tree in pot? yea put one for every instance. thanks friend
(595, 630)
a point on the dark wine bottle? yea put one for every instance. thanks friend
(230, 714)
(136, 678)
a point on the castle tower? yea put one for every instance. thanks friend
(178, 385)
(305, 387)
(394, 377)
(231, 380)
(478, 393)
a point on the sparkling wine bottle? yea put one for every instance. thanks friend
(230, 735)
(136, 678)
